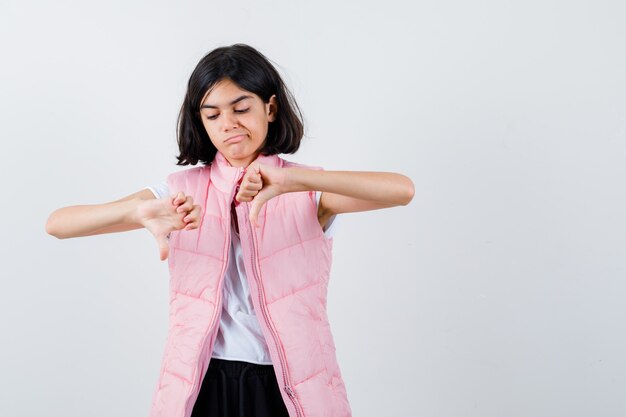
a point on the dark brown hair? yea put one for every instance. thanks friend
(251, 71)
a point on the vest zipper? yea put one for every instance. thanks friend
(215, 320)
(198, 382)
(261, 294)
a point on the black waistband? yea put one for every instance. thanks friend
(234, 369)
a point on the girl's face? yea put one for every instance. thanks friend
(236, 121)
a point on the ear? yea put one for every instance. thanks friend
(272, 108)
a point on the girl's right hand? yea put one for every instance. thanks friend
(163, 215)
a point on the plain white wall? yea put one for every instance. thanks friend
(496, 292)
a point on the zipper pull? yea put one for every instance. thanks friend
(290, 391)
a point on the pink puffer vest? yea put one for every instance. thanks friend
(287, 262)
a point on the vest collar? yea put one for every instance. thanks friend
(225, 176)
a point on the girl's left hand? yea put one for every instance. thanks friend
(260, 183)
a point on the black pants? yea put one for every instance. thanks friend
(239, 389)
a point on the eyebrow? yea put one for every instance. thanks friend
(237, 100)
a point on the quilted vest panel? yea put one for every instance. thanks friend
(287, 262)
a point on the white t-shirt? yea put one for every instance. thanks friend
(240, 336)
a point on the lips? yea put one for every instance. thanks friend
(235, 138)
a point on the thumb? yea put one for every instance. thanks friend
(255, 209)
(164, 247)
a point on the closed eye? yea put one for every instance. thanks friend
(236, 111)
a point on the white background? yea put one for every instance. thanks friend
(496, 292)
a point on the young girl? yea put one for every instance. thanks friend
(247, 235)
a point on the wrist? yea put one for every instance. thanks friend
(130, 210)
(293, 180)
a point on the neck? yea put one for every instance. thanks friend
(242, 163)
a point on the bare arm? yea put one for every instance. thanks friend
(342, 191)
(95, 219)
(350, 191)
(141, 209)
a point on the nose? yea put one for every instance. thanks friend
(229, 121)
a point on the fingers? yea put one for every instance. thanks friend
(252, 181)
(250, 186)
(178, 198)
(189, 214)
(255, 178)
(192, 220)
(184, 203)
(186, 206)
